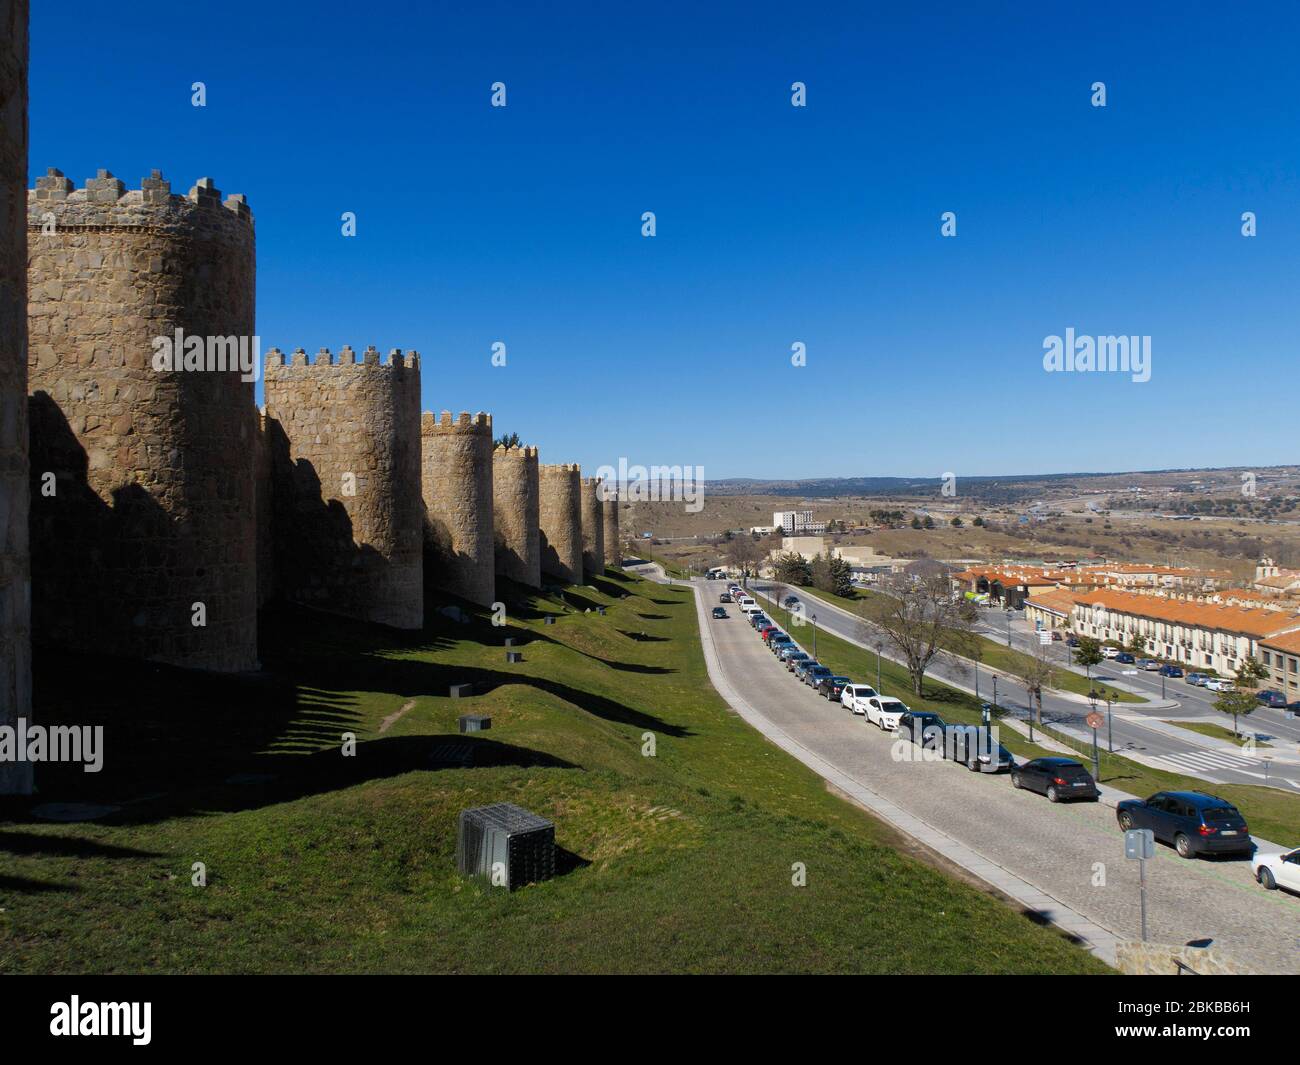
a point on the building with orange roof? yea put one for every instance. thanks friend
(1280, 655)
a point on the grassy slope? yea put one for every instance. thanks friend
(1271, 813)
(993, 655)
(680, 862)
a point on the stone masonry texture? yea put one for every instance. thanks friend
(593, 526)
(515, 515)
(142, 513)
(15, 579)
(342, 453)
(560, 521)
(457, 487)
(613, 546)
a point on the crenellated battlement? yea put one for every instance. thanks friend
(514, 454)
(106, 201)
(324, 359)
(560, 468)
(464, 422)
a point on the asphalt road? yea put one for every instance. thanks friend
(1073, 853)
(1137, 729)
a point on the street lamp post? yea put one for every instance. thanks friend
(814, 621)
(1110, 735)
(1008, 628)
(879, 647)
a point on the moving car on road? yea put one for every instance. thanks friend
(1195, 823)
(1278, 870)
(720, 612)
(725, 597)
(1057, 778)
(831, 687)
(855, 696)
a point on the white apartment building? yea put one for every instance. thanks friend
(797, 522)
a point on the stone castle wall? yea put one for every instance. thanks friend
(515, 515)
(593, 526)
(457, 488)
(560, 521)
(343, 448)
(15, 582)
(149, 529)
(613, 543)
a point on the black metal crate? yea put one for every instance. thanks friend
(522, 842)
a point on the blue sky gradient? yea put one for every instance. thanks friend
(775, 224)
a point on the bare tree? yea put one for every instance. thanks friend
(745, 553)
(1034, 671)
(923, 622)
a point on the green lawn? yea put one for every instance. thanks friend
(1273, 814)
(993, 655)
(315, 862)
(1217, 732)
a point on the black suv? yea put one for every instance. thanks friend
(1195, 823)
(1057, 778)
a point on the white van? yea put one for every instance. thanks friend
(855, 697)
(884, 712)
(747, 605)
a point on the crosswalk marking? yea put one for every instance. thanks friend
(1203, 760)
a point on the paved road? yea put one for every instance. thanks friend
(1061, 850)
(1138, 731)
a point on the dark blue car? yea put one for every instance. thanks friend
(1274, 699)
(1193, 822)
(1171, 671)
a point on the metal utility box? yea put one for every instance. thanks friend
(475, 722)
(506, 845)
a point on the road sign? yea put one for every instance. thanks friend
(1095, 720)
(1139, 843)
(1045, 638)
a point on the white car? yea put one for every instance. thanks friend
(1218, 684)
(1278, 870)
(884, 712)
(1108, 651)
(855, 696)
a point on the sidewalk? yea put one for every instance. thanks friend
(1277, 753)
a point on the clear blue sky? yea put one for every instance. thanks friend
(775, 224)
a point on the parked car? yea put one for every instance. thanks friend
(1107, 651)
(884, 712)
(771, 633)
(1195, 823)
(1274, 699)
(1125, 659)
(855, 696)
(831, 687)
(1218, 684)
(972, 746)
(1057, 778)
(793, 658)
(1149, 664)
(720, 612)
(801, 667)
(725, 597)
(777, 640)
(764, 631)
(1171, 671)
(814, 675)
(922, 726)
(1281, 870)
(758, 619)
(1198, 679)
(784, 652)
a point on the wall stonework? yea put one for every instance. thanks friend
(515, 515)
(15, 577)
(457, 488)
(560, 521)
(153, 507)
(593, 527)
(343, 449)
(1135, 958)
(613, 545)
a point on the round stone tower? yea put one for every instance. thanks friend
(456, 476)
(515, 514)
(613, 546)
(15, 582)
(593, 527)
(560, 508)
(342, 441)
(141, 366)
